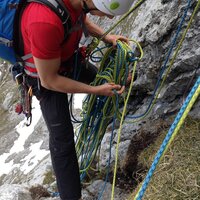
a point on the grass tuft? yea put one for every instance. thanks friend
(38, 192)
(49, 178)
(177, 176)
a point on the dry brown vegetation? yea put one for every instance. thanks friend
(177, 177)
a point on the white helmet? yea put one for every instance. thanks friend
(113, 7)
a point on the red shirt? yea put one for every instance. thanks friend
(43, 33)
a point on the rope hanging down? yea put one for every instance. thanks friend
(179, 120)
(165, 70)
(159, 86)
(98, 111)
(96, 41)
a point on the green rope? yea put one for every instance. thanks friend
(95, 42)
(169, 67)
(98, 111)
(139, 3)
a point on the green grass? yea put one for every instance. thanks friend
(49, 178)
(177, 176)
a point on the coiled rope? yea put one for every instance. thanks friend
(98, 111)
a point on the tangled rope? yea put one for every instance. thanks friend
(100, 111)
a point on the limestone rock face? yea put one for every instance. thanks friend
(98, 185)
(14, 192)
(24, 156)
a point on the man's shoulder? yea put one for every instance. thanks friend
(37, 12)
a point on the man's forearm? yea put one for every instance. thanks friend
(66, 85)
(94, 30)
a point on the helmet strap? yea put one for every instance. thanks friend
(86, 9)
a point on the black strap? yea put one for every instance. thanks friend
(56, 6)
(60, 9)
(86, 9)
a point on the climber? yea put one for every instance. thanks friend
(49, 75)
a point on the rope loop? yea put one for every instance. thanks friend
(99, 111)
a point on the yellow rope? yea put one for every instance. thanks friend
(180, 123)
(119, 135)
(171, 63)
(124, 110)
(122, 119)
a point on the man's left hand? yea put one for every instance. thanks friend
(112, 39)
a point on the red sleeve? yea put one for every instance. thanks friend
(45, 39)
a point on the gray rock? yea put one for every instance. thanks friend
(7, 101)
(7, 140)
(104, 191)
(195, 112)
(108, 153)
(37, 175)
(14, 192)
(40, 134)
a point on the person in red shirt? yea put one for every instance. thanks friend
(43, 34)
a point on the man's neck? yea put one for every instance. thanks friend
(76, 4)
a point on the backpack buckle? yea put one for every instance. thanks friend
(6, 42)
(9, 43)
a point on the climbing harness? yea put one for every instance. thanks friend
(25, 93)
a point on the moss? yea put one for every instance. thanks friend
(49, 178)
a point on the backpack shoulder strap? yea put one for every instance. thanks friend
(60, 9)
(57, 6)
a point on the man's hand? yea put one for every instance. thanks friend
(113, 39)
(96, 31)
(108, 89)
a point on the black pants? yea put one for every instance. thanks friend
(55, 110)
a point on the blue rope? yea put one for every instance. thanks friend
(173, 43)
(166, 141)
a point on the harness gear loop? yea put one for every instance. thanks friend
(26, 93)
